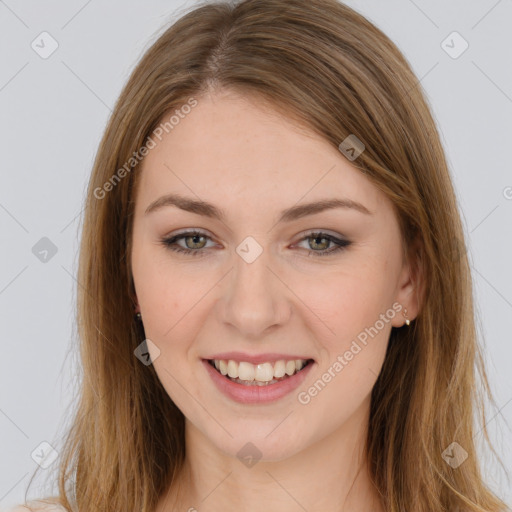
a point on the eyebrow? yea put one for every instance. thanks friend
(295, 212)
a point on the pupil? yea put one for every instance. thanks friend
(195, 238)
(318, 238)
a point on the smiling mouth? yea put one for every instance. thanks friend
(263, 374)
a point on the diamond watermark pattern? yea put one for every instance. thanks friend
(454, 455)
(44, 455)
(147, 352)
(249, 250)
(44, 45)
(351, 147)
(44, 250)
(454, 45)
(249, 454)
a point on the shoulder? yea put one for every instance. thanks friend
(37, 506)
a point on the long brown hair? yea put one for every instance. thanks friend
(323, 65)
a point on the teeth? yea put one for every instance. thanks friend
(279, 369)
(290, 367)
(246, 371)
(232, 369)
(263, 372)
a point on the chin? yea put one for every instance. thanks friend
(256, 443)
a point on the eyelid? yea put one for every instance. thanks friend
(187, 230)
(300, 236)
(310, 232)
(340, 242)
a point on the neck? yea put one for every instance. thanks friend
(330, 475)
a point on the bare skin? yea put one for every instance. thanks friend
(254, 164)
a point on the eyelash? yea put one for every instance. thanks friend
(170, 243)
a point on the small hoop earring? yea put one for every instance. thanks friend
(407, 321)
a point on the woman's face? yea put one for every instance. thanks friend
(262, 284)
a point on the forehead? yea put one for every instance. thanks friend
(230, 147)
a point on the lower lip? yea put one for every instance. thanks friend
(256, 394)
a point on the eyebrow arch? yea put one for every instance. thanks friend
(295, 212)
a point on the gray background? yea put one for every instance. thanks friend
(53, 113)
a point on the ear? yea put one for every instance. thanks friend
(411, 284)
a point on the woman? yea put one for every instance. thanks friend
(275, 307)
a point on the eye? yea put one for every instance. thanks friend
(319, 241)
(195, 242)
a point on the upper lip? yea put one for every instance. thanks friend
(256, 358)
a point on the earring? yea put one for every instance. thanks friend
(407, 321)
(138, 316)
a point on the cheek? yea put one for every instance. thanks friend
(347, 300)
(354, 305)
(174, 305)
(168, 296)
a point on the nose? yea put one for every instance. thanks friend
(254, 301)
